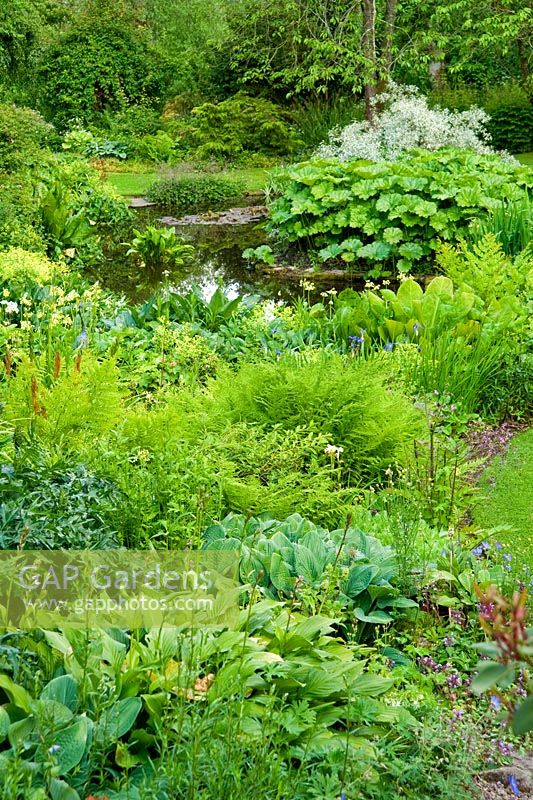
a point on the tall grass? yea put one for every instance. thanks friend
(510, 222)
(316, 118)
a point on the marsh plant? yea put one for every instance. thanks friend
(157, 248)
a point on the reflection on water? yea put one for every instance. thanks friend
(217, 261)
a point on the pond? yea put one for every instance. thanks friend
(217, 260)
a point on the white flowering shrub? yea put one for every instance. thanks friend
(405, 122)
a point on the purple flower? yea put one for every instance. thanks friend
(508, 556)
(495, 702)
(457, 713)
(456, 616)
(448, 641)
(481, 549)
(505, 748)
(486, 609)
(454, 680)
(514, 786)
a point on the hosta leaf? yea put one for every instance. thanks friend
(358, 579)
(4, 723)
(375, 617)
(63, 690)
(17, 694)
(280, 574)
(371, 685)
(117, 720)
(71, 742)
(59, 790)
(306, 564)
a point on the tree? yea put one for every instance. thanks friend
(20, 23)
(104, 62)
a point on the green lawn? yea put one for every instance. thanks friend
(526, 158)
(507, 497)
(134, 184)
(131, 184)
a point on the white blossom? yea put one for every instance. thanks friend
(10, 307)
(406, 122)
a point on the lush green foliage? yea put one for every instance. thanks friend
(23, 133)
(187, 191)
(97, 65)
(235, 128)
(391, 213)
(325, 441)
(158, 247)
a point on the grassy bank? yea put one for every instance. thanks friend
(507, 490)
(130, 184)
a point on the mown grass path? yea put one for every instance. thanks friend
(507, 497)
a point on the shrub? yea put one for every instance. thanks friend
(95, 66)
(23, 133)
(511, 119)
(184, 192)
(236, 127)
(509, 108)
(405, 122)
(18, 268)
(154, 147)
(395, 212)
(488, 270)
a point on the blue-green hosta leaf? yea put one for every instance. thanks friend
(358, 580)
(59, 790)
(63, 689)
(54, 714)
(20, 731)
(383, 590)
(307, 565)
(280, 574)
(71, 742)
(117, 720)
